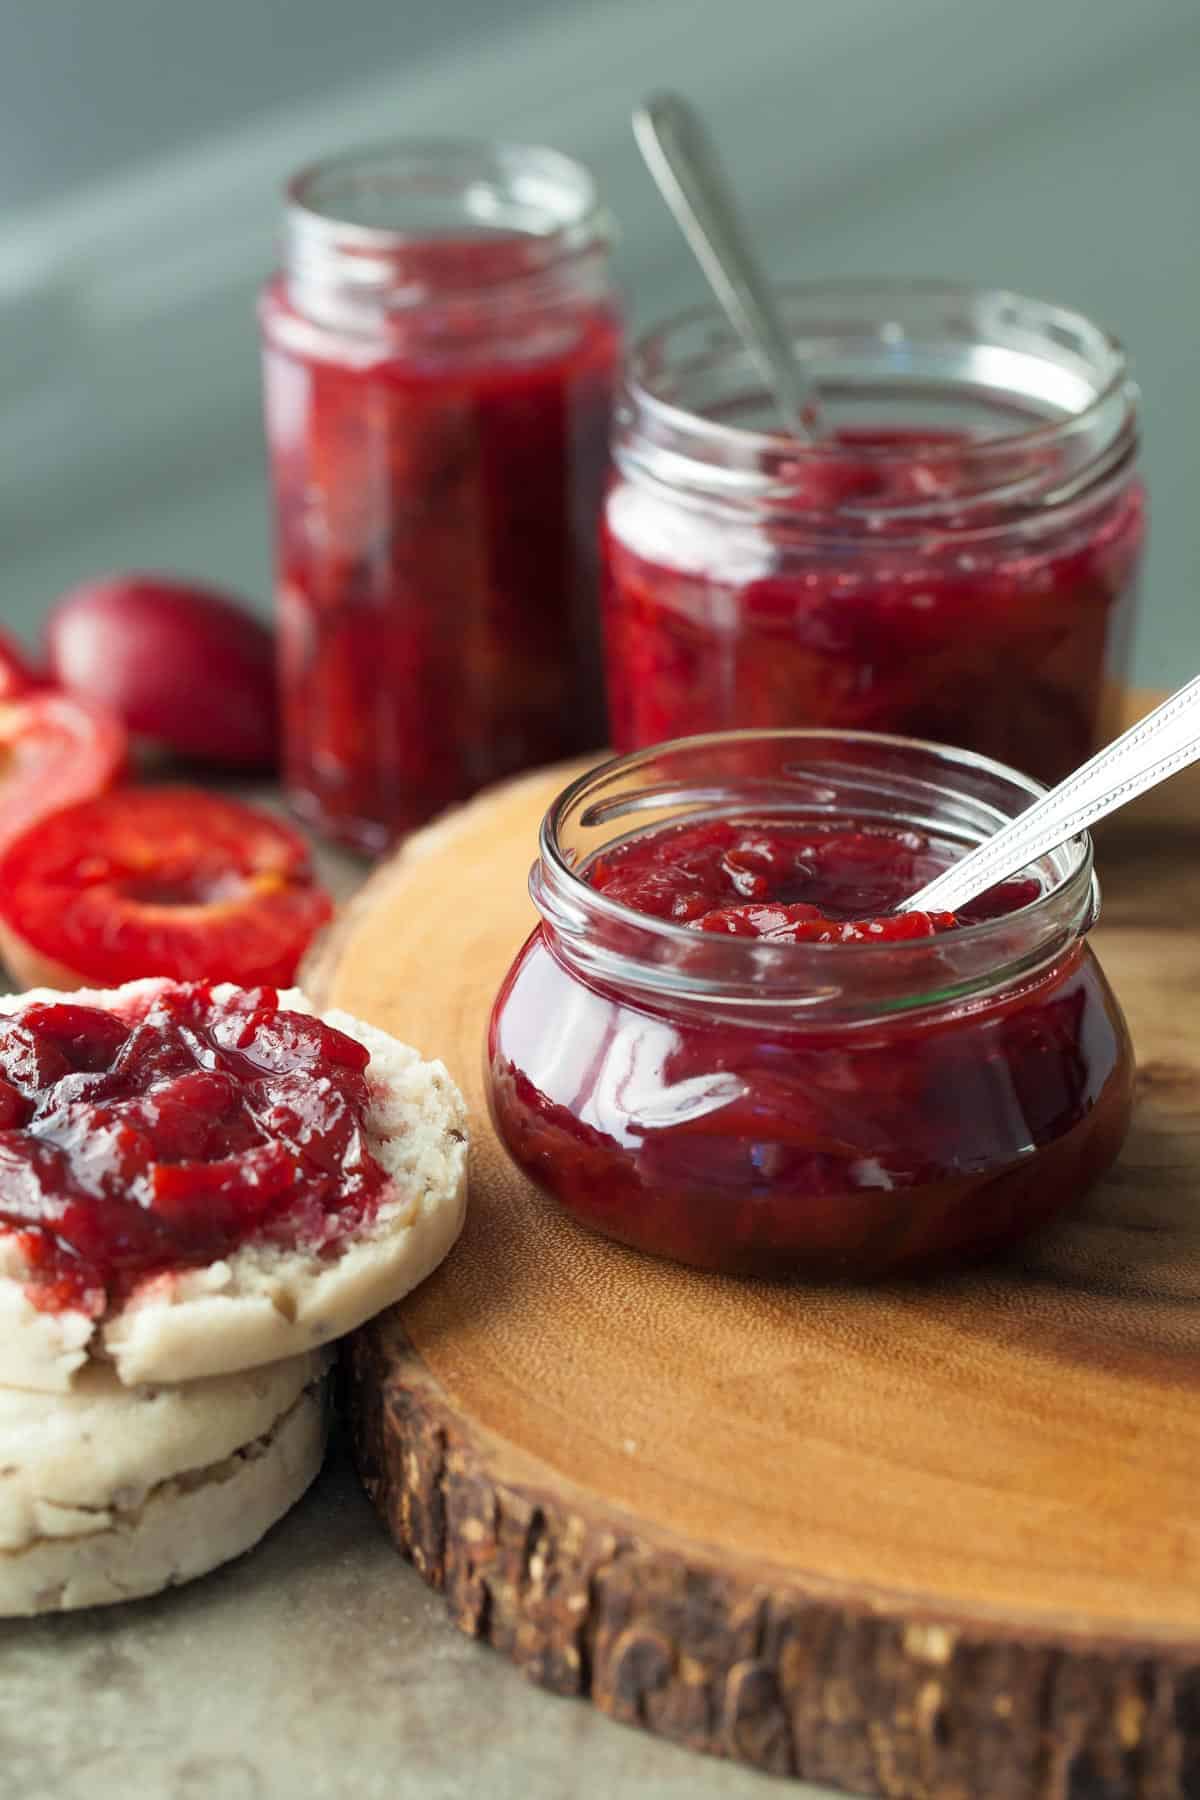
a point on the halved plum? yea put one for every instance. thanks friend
(55, 749)
(158, 881)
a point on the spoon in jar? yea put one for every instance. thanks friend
(1166, 740)
(677, 151)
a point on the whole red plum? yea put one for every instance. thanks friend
(186, 667)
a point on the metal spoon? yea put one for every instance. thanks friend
(677, 151)
(1166, 740)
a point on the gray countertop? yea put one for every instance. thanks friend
(319, 1665)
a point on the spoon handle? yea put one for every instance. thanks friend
(1166, 740)
(677, 151)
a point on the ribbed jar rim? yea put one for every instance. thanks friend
(419, 222)
(1050, 405)
(814, 775)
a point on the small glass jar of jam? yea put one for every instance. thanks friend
(722, 1045)
(441, 346)
(954, 558)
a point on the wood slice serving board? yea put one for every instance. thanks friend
(938, 1539)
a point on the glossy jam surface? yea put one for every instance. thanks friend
(1002, 632)
(131, 1145)
(760, 1139)
(791, 883)
(437, 566)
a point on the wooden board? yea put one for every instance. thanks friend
(939, 1539)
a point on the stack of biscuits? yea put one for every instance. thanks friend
(147, 1446)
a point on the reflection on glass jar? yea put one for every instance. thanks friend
(440, 350)
(956, 559)
(845, 1109)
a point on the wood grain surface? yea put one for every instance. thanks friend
(933, 1539)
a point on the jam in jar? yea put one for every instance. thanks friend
(440, 351)
(955, 557)
(722, 1045)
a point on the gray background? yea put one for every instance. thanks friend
(1049, 145)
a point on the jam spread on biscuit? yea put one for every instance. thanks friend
(138, 1141)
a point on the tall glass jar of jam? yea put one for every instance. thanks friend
(722, 1045)
(440, 346)
(955, 557)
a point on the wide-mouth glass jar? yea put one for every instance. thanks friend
(838, 1110)
(955, 558)
(440, 344)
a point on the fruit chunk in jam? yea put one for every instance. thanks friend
(172, 1134)
(996, 632)
(765, 1134)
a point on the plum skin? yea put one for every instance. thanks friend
(184, 666)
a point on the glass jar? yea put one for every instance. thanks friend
(838, 1110)
(955, 559)
(440, 350)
